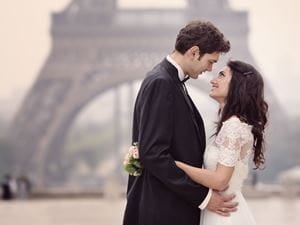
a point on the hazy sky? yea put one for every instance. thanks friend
(274, 42)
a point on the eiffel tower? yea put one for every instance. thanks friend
(97, 47)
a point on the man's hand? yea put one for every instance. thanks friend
(222, 205)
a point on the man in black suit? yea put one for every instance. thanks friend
(168, 127)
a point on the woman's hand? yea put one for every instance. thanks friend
(179, 164)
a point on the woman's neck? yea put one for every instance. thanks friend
(222, 105)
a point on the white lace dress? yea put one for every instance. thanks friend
(232, 147)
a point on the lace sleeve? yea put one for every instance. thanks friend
(229, 142)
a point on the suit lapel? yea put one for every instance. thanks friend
(200, 124)
(172, 71)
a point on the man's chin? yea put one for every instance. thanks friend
(200, 74)
(195, 76)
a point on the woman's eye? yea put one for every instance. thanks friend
(221, 75)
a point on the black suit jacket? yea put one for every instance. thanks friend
(167, 127)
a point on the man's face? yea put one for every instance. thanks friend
(199, 65)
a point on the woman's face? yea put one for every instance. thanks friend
(220, 85)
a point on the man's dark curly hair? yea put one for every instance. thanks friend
(204, 35)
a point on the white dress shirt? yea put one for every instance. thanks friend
(181, 76)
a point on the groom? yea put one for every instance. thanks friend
(168, 127)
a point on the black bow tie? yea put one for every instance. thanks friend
(184, 80)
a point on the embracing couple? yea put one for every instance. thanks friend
(183, 182)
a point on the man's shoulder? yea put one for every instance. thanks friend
(157, 81)
(159, 72)
(157, 69)
(157, 78)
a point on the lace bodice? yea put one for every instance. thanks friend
(231, 147)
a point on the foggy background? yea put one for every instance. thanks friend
(273, 42)
(90, 156)
(25, 44)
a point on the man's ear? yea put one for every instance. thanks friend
(194, 52)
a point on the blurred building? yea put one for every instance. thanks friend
(98, 47)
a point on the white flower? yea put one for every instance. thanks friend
(135, 153)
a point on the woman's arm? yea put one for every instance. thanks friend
(217, 179)
(229, 141)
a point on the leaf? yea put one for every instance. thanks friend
(137, 164)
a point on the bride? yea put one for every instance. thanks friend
(239, 91)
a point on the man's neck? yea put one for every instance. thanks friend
(178, 58)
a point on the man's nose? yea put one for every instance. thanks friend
(209, 68)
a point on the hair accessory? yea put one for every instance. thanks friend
(247, 73)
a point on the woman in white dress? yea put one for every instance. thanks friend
(239, 91)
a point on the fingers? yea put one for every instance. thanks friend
(228, 204)
(225, 211)
(228, 210)
(229, 207)
(231, 204)
(228, 198)
(179, 164)
(222, 205)
(222, 213)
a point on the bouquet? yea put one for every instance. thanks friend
(131, 163)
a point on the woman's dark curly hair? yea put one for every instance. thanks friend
(245, 100)
(204, 35)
